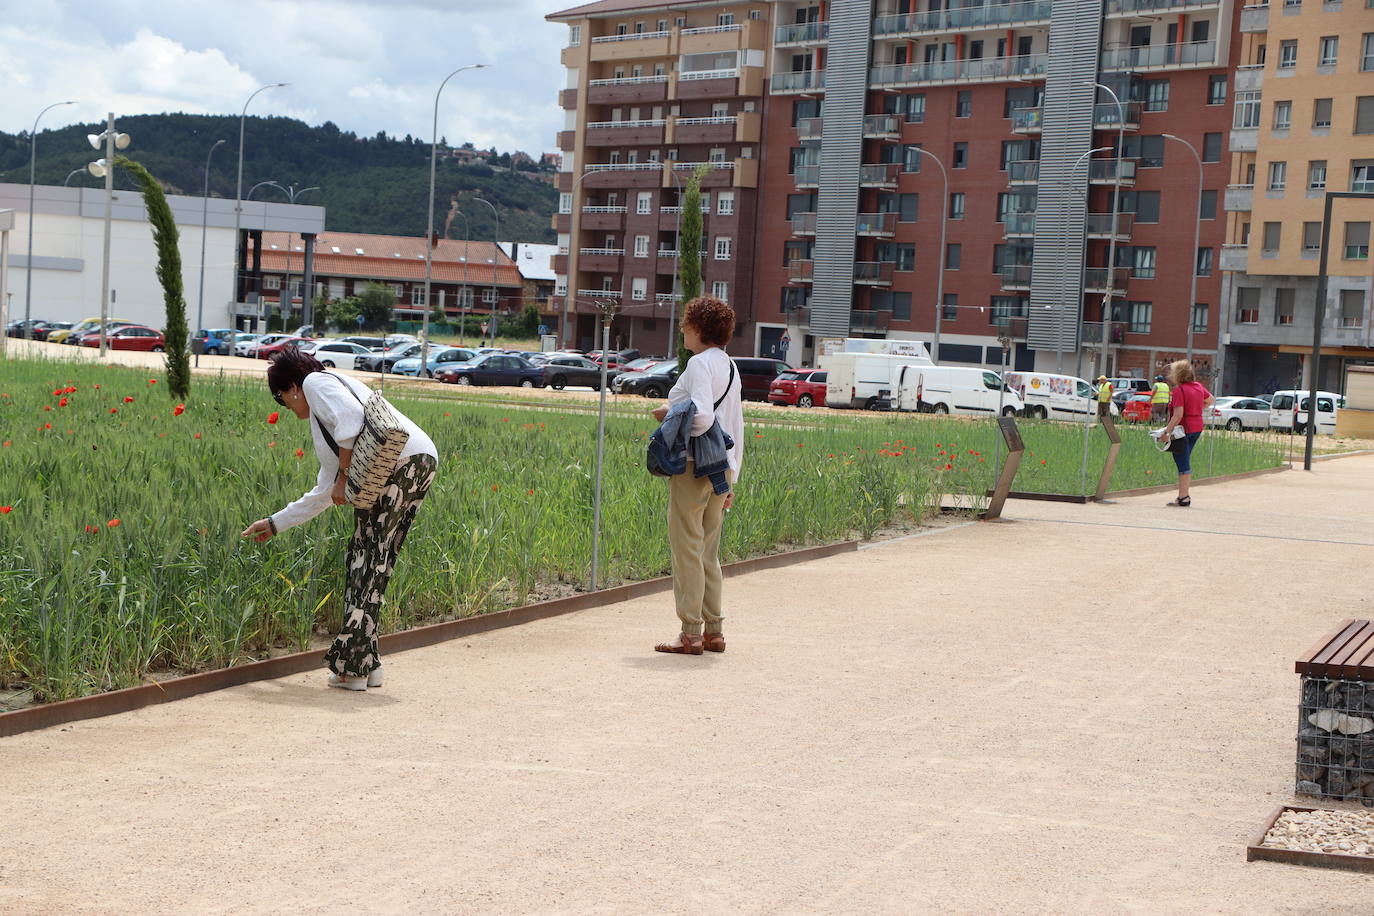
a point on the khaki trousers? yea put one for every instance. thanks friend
(695, 514)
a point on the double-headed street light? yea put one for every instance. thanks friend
(104, 168)
(1197, 237)
(238, 184)
(28, 263)
(1116, 208)
(940, 276)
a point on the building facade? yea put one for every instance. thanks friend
(1303, 125)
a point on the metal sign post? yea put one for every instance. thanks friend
(1015, 447)
(1113, 436)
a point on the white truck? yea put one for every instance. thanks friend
(959, 390)
(858, 380)
(1050, 396)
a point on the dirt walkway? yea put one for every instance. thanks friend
(991, 719)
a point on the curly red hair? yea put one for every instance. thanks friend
(713, 320)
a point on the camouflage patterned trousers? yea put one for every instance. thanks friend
(378, 534)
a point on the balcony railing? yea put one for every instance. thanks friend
(602, 252)
(869, 320)
(879, 126)
(798, 81)
(943, 71)
(809, 128)
(873, 272)
(801, 33)
(1025, 120)
(630, 80)
(599, 293)
(1106, 115)
(877, 224)
(1095, 279)
(800, 271)
(1111, 171)
(729, 74)
(807, 176)
(713, 164)
(718, 119)
(1016, 276)
(665, 297)
(597, 209)
(607, 125)
(713, 29)
(1099, 225)
(804, 224)
(1019, 224)
(879, 175)
(623, 167)
(1154, 6)
(1177, 55)
(1092, 332)
(1254, 17)
(667, 252)
(629, 36)
(1023, 171)
(972, 17)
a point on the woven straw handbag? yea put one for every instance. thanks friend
(375, 450)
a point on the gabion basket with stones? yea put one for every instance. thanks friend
(1336, 739)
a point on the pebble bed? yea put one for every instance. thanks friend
(1348, 833)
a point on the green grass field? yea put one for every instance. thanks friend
(120, 515)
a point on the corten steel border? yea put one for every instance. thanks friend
(1257, 852)
(1011, 435)
(116, 701)
(1108, 466)
(1144, 491)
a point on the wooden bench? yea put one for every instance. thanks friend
(1345, 652)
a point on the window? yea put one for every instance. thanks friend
(641, 246)
(725, 203)
(1367, 52)
(644, 202)
(911, 157)
(489, 294)
(1356, 242)
(1352, 313)
(1140, 314)
(417, 294)
(724, 247)
(1316, 175)
(1273, 232)
(574, 36)
(720, 289)
(1216, 90)
(1283, 115)
(949, 310)
(1326, 53)
(1311, 237)
(1321, 113)
(1364, 114)
(960, 156)
(1283, 305)
(1207, 206)
(1211, 147)
(1204, 262)
(1288, 54)
(725, 19)
(1247, 110)
(1247, 305)
(271, 282)
(1143, 262)
(1151, 152)
(1146, 206)
(1278, 176)
(963, 105)
(1005, 308)
(956, 206)
(1362, 175)
(953, 255)
(1199, 317)
(1156, 95)
(916, 108)
(639, 289)
(564, 203)
(902, 256)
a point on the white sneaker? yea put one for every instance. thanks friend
(374, 677)
(348, 682)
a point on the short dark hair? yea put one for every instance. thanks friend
(289, 367)
(714, 320)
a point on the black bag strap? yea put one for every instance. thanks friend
(328, 438)
(716, 406)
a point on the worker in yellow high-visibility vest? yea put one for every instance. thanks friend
(1159, 401)
(1104, 396)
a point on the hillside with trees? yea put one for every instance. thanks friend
(374, 184)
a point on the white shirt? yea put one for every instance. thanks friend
(702, 382)
(342, 414)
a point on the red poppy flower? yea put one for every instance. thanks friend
(47, 426)
(5, 444)
(62, 403)
(71, 389)
(505, 419)
(271, 445)
(91, 529)
(273, 417)
(128, 399)
(494, 488)
(178, 410)
(448, 414)
(198, 436)
(949, 467)
(152, 381)
(97, 387)
(801, 445)
(300, 453)
(114, 410)
(1042, 460)
(531, 492)
(112, 523)
(56, 392)
(6, 510)
(47, 407)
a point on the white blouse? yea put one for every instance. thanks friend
(703, 381)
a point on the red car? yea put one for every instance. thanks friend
(800, 387)
(129, 337)
(1137, 408)
(267, 351)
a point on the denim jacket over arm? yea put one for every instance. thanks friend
(667, 456)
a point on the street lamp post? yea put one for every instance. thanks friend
(495, 256)
(1059, 344)
(429, 226)
(939, 277)
(28, 262)
(1197, 237)
(570, 292)
(1116, 209)
(104, 168)
(677, 268)
(238, 186)
(291, 194)
(69, 176)
(467, 286)
(204, 229)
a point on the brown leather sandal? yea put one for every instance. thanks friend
(713, 642)
(685, 645)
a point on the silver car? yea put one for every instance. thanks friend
(1237, 413)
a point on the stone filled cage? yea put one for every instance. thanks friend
(1336, 739)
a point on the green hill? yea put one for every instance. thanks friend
(368, 184)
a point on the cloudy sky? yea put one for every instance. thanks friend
(366, 65)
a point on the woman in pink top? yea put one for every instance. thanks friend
(1186, 402)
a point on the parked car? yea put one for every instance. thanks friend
(492, 369)
(438, 358)
(856, 380)
(384, 361)
(25, 327)
(1288, 410)
(129, 337)
(1266, 398)
(53, 326)
(562, 371)
(394, 340)
(339, 354)
(1137, 407)
(654, 382)
(959, 390)
(376, 344)
(80, 338)
(88, 324)
(636, 365)
(799, 387)
(757, 374)
(244, 343)
(1131, 384)
(305, 331)
(612, 360)
(215, 341)
(1237, 413)
(265, 351)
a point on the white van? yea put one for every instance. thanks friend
(1288, 410)
(954, 389)
(854, 380)
(1049, 396)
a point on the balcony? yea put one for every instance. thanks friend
(879, 175)
(600, 260)
(627, 90)
(802, 33)
(1112, 171)
(1095, 280)
(1244, 139)
(797, 81)
(1254, 18)
(877, 225)
(1023, 171)
(1092, 332)
(809, 129)
(992, 16)
(602, 218)
(1016, 276)
(1249, 78)
(873, 273)
(867, 321)
(981, 70)
(1025, 120)
(882, 127)
(668, 253)
(1099, 226)
(631, 46)
(1116, 7)
(1019, 225)
(1235, 258)
(623, 174)
(807, 176)
(1106, 116)
(1239, 198)
(567, 99)
(625, 133)
(800, 271)
(1161, 57)
(719, 129)
(598, 294)
(721, 173)
(804, 224)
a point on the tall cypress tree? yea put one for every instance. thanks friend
(165, 236)
(689, 256)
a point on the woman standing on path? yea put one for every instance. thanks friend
(695, 510)
(300, 383)
(1186, 402)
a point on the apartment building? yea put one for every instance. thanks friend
(1303, 125)
(655, 90)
